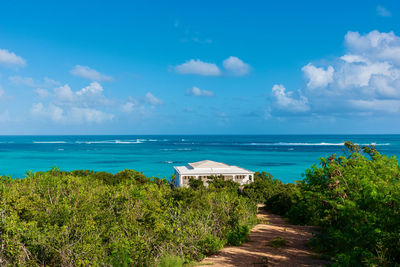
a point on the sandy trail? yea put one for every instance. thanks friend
(256, 252)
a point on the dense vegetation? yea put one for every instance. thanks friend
(97, 218)
(354, 199)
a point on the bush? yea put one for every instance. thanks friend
(62, 218)
(263, 188)
(238, 235)
(196, 183)
(171, 261)
(355, 200)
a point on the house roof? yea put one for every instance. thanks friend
(208, 164)
(209, 167)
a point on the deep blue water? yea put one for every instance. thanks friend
(285, 156)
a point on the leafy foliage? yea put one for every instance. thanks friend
(83, 217)
(355, 200)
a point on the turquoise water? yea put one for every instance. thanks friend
(285, 156)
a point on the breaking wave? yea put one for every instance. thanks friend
(309, 144)
(49, 142)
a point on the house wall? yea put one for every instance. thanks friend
(242, 179)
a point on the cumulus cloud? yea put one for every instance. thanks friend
(236, 66)
(365, 80)
(64, 94)
(383, 12)
(9, 59)
(152, 100)
(89, 73)
(89, 115)
(287, 100)
(198, 67)
(71, 115)
(51, 111)
(376, 46)
(65, 105)
(195, 91)
(92, 89)
(318, 77)
(91, 95)
(371, 68)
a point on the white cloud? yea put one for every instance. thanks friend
(52, 112)
(236, 66)
(37, 108)
(88, 73)
(64, 94)
(128, 107)
(75, 115)
(390, 106)
(287, 101)
(30, 82)
(18, 80)
(42, 93)
(11, 59)
(82, 115)
(198, 67)
(365, 80)
(66, 106)
(91, 89)
(374, 45)
(1, 92)
(359, 74)
(195, 91)
(56, 113)
(91, 95)
(318, 77)
(383, 12)
(47, 82)
(353, 59)
(152, 100)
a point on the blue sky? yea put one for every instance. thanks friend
(204, 67)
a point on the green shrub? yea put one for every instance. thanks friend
(62, 218)
(263, 188)
(211, 244)
(238, 235)
(171, 261)
(355, 201)
(196, 183)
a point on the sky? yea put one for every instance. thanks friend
(199, 67)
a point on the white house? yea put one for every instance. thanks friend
(206, 168)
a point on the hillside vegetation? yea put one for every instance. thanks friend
(87, 218)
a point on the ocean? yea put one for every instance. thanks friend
(284, 156)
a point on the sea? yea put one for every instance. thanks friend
(284, 156)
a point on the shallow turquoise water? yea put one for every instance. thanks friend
(285, 156)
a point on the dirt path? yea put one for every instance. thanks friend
(256, 252)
